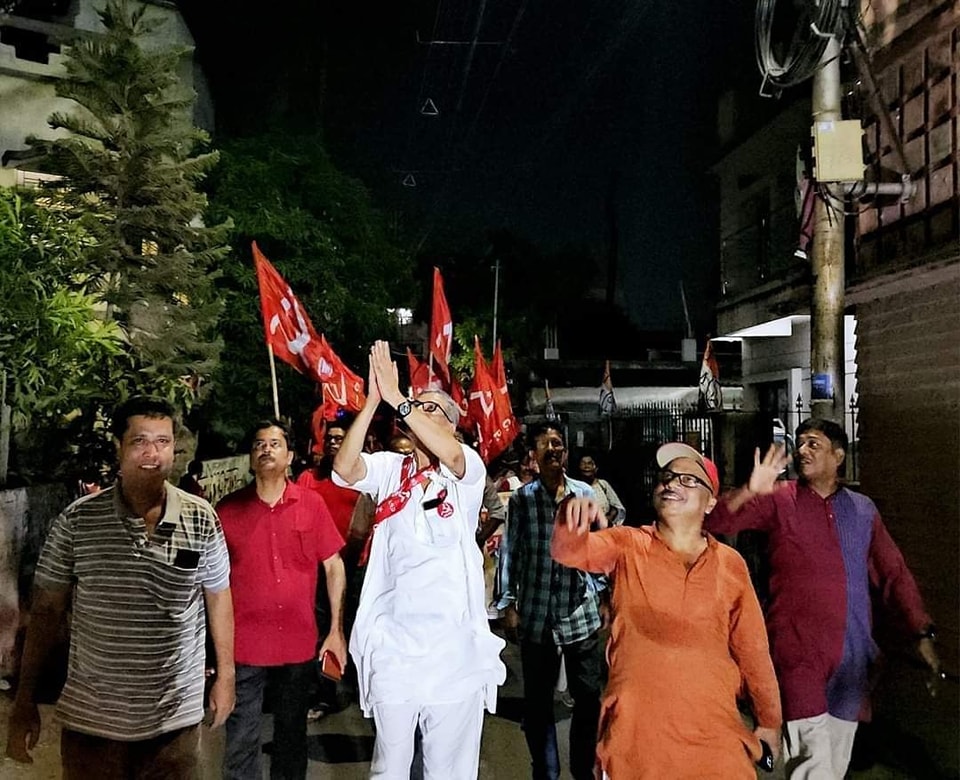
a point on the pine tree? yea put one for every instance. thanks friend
(130, 171)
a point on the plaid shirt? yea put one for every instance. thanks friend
(556, 603)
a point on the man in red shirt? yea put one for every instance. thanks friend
(339, 500)
(277, 535)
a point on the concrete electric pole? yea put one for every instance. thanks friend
(828, 396)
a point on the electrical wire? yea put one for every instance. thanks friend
(819, 21)
(836, 202)
(626, 27)
(456, 150)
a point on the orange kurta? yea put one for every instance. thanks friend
(683, 645)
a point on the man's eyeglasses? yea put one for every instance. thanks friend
(430, 407)
(665, 477)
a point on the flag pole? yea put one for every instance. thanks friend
(273, 379)
(496, 296)
(433, 302)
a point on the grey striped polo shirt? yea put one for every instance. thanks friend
(138, 628)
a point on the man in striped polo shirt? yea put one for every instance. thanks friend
(144, 564)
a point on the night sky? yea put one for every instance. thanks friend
(566, 112)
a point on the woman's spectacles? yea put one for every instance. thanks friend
(665, 477)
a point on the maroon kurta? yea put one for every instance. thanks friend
(809, 614)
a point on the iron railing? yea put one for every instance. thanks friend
(800, 411)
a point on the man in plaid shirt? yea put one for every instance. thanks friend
(555, 610)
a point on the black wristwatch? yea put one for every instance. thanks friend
(404, 409)
(930, 632)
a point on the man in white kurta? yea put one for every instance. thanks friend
(421, 642)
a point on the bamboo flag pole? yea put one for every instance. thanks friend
(273, 379)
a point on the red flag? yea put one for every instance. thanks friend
(506, 421)
(494, 432)
(608, 403)
(441, 330)
(711, 397)
(342, 389)
(288, 329)
(286, 326)
(481, 403)
(463, 403)
(419, 373)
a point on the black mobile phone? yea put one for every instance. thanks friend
(765, 762)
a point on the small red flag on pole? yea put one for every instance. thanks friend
(441, 331)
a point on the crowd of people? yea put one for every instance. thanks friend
(368, 567)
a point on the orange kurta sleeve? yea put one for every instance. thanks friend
(596, 552)
(750, 648)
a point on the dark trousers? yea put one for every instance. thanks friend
(541, 665)
(291, 687)
(170, 756)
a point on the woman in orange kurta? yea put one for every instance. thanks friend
(687, 637)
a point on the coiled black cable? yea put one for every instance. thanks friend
(817, 22)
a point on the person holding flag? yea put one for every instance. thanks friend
(421, 643)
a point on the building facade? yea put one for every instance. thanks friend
(905, 289)
(33, 36)
(902, 320)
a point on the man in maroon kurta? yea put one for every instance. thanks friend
(828, 550)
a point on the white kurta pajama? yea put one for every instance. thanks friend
(421, 636)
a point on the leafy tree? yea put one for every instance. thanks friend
(320, 229)
(130, 176)
(58, 355)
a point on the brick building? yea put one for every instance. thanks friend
(902, 313)
(905, 290)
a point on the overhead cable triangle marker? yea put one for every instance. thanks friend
(429, 108)
(409, 180)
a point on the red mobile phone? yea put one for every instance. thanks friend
(330, 666)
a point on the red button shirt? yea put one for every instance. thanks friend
(339, 500)
(274, 557)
